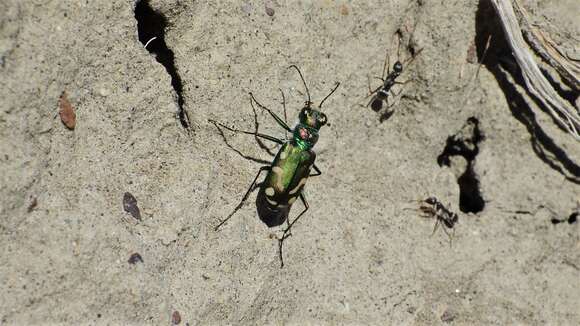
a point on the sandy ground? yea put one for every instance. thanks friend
(362, 254)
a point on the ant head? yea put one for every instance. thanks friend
(431, 200)
(398, 67)
(304, 136)
(311, 117)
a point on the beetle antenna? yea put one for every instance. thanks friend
(327, 96)
(301, 77)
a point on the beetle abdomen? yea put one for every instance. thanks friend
(271, 215)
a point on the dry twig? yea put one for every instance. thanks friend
(567, 116)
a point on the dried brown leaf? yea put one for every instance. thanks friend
(66, 112)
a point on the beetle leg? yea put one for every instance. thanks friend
(268, 137)
(257, 126)
(250, 189)
(317, 173)
(279, 120)
(286, 234)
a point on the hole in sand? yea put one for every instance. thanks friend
(465, 143)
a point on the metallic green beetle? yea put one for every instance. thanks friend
(290, 169)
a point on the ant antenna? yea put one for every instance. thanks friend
(327, 96)
(399, 36)
(408, 61)
(301, 77)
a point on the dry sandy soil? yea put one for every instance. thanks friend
(362, 254)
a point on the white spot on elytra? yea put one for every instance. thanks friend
(283, 155)
(270, 191)
(300, 184)
(278, 170)
(272, 202)
(291, 200)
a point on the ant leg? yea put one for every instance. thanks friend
(387, 101)
(369, 85)
(436, 226)
(274, 115)
(270, 138)
(317, 173)
(371, 92)
(250, 189)
(286, 235)
(448, 235)
(402, 83)
(399, 46)
(386, 65)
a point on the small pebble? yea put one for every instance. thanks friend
(130, 205)
(247, 8)
(175, 318)
(270, 11)
(104, 92)
(135, 258)
(472, 53)
(448, 316)
(32, 205)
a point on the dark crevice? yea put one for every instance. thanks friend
(152, 24)
(500, 62)
(465, 143)
(573, 218)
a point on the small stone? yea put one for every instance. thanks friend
(247, 8)
(32, 205)
(448, 316)
(130, 205)
(104, 92)
(270, 11)
(472, 53)
(135, 258)
(175, 318)
(344, 10)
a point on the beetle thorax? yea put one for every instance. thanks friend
(304, 136)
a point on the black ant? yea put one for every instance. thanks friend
(381, 93)
(433, 208)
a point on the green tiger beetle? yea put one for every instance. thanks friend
(289, 171)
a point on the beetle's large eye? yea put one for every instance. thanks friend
(322, 119)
